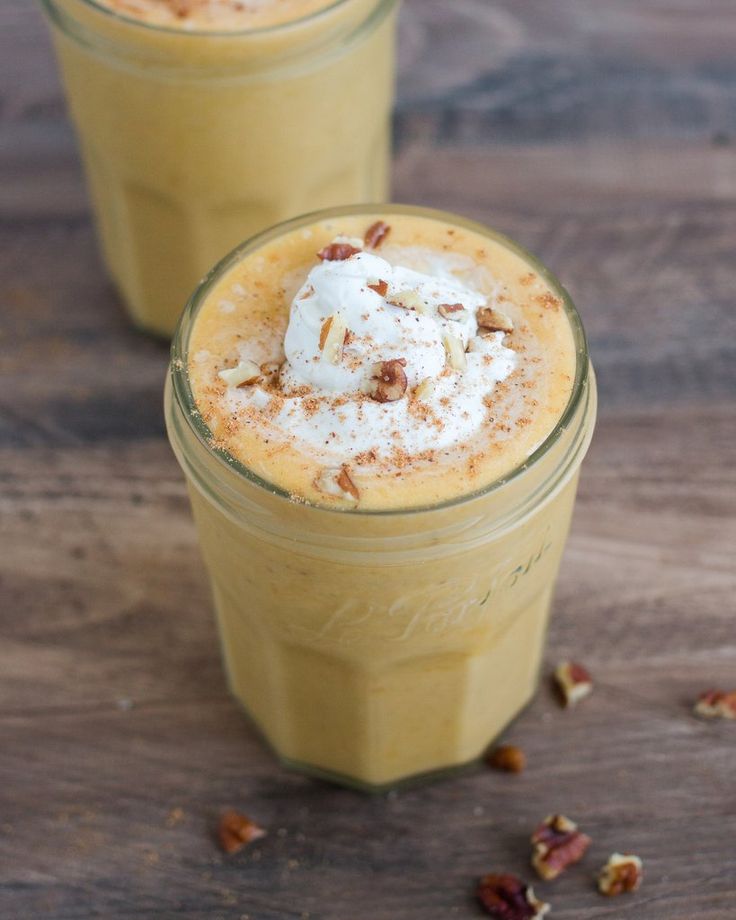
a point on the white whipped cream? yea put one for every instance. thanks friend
(380, 331)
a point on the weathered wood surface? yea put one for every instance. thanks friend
(599, 135)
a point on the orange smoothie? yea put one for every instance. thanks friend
(381, 415)
(204, 121)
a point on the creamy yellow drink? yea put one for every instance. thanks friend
(204, 121)
(381, 415)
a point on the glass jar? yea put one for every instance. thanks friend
(194, 140)
(369, 647)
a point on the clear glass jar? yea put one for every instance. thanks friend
(194, 140)
(370, 647)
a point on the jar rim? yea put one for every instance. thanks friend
(260, 32)
(179, 363)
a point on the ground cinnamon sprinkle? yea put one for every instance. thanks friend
(310, 406)
(297, 392)
(400, 459)
(548, 301)
(274, 406)
(419, 410)
(249, 415)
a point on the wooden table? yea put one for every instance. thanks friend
(602, 136)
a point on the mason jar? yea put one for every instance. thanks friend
(193, 140)
(372, 646)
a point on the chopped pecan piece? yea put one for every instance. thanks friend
(451, 310)
(622, 873)
(507, 897)
(426, 389)
(337, 483)
(380, 287)
(408, 300)
(455, 352)
(244, 374)
(507, 757)
(324, 332)
(493, 320)
(573, 682)
(332, 338)
(337, 252)
(346, 484)
(388, 382)
(716, 704)
(236, 831)
(557, 844)
(376, 234)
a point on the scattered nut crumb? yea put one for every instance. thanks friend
(237, 831)
(507, 897)
(573, 682)
(716, 704)
(622, 873)
(507, 757)
(557, 843)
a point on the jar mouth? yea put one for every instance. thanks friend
(261, 31)
(179, 365)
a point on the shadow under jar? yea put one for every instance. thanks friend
(370, 646)
(194, 139)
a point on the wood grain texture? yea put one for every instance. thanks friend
(600, 136)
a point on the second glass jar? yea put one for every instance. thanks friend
(194, 140)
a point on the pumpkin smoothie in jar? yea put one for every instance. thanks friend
(202, 122)
(381, 414)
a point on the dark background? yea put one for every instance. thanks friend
(602, 135)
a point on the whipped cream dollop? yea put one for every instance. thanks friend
(379, 331)
(349, 317)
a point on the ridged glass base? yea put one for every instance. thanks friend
(396, 785)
